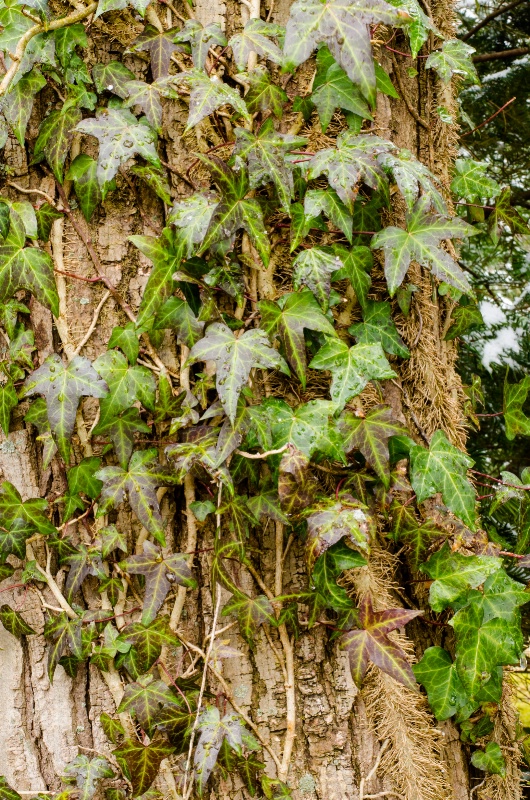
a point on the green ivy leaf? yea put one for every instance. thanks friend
(146, 97)
(337, 91)
(155, 179)
(327, 569)
(201, 39)
(251, 612)
(490, 759)
(471, 182)
(125, 384)
(6, 792)
(160, 46)
(505, 214)
(178, 315)
(112, 77)
(378, 326)
(411, 176)
(213, 731)
(263, 95)
(327, 201)
(515, 420)
(87, 773)
(146, 642)
(8, 401)
(127, 340)
(418, 26)
(83, 173)
(46, 215)
(454, 58)
(309, 427)
(160, 575)
(14, 622)
(207, 95)
(357, 264)
(145, 697)
(370, 642)
(18, 102)
(142, 762)
(55, 137)
(234, 358)
(63, 387)
(287, 319)
(253, 39)
(370, 435)
(453, 574)
(313, 268)
(464, 318)
(352, 368)
(346, 518)
(343, 26)
(437, 673)
(419, 242)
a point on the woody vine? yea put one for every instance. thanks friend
(235, 425)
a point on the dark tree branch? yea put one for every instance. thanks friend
(489, 18)
(501, 54)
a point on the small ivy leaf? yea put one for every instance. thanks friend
(8, 401)
(464, 318)
(309, 427)
(370, 642)
(343, 26)
(378, 326)
(202, 508)
(63, 387)
(500, 598)
(145, 697)
(287, 319)
(38, 416)
(263, 95)
(13, 540)
(234, 359)
(127, 340)
(419, 242)
(85, 561)
(327, 569)
(146, 642)
(139, 481)
(234, 211)
(30, 512)
(213, 731)
(83, 173)
(443, 468)
(81, 477)
(146, 97)
(6, 792)
(370, 435)
(112, 727)
(437, 673)
(471, 182)
(208, 94)
(253, 39)
(337, 91)
(155, 179)
(166, 254)
(55, 136)
(112, 77)
(192, 217)
(178, 315)
(352, 159)
(453, 574)
(26, 267)
(327, 201)
(142, 762)
(160, 575)
(232, 433)
(296, 486)
(18, 102)
(337, 520)
(352, 368)
(313, 268)
(14, 622)
(9, 316)
(515, 420)
(506, 214)
(87, 773)
(411, 176)
(46, 215)
(201, 452)
(383, 82)
(490, 759)
(125, 385)
(267, 504)
(251, 613)
(121, 430)
(201, 40)
(160, 47)
(453, 59)
(120, 137)
(111, 539)
(357, 264)
(301, 225)
(264, 154)
(418, 26)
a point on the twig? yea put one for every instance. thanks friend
(501, 54)
(31, 191)
(468, 133)
(288, 652)
(412, 111)
(263, 455)
(93, 324)
(476, 788)
(489, 17)
(373, 770)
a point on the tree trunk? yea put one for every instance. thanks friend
(346, 743)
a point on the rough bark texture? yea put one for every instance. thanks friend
(339, 731)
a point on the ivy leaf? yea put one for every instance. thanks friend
(327, 569)
(26, 268)
(156, 180)
(317, 201)
(166, 255)
(207, 95)
(85, 561)
(142, 762)
(471, 182)
(506, 214)
(125, 385)
(352, 159)
(437, 673)
(146, 97)
(145, 697)
(139, 481)
(370, 642)
(378, 326)
(120, 137)
(309, 427)
(263, 94)
(201, 39)
(213, 730)
(81, 477)
(352, 368)
(6, 792)
(253, 39)
(266, 504)
(63, 386)
(464, 319)
(442, 468)
(337, 520)
(490, 759)
(178, 315)
(55, 136)
(313, 268)
(264, 154)
(337, 91)
(500, 598)
(234, 211)
(296, 486)
(192, 217)
(357, 264)
(87, 773)
(160, 575)
(127, 340)
(515, 420)
(46, 215)
(112, 77)
(14, 622)
(411, 176)
(8, 401)
(343, 26)
(234, 358)
(251, 612)
(147, 641)
(419, 242)
(18, 102)
(453, 59)
(287, 319)
(453, 574)
(111, 539)
(370, 435)
(160, 47)
(83, 173)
